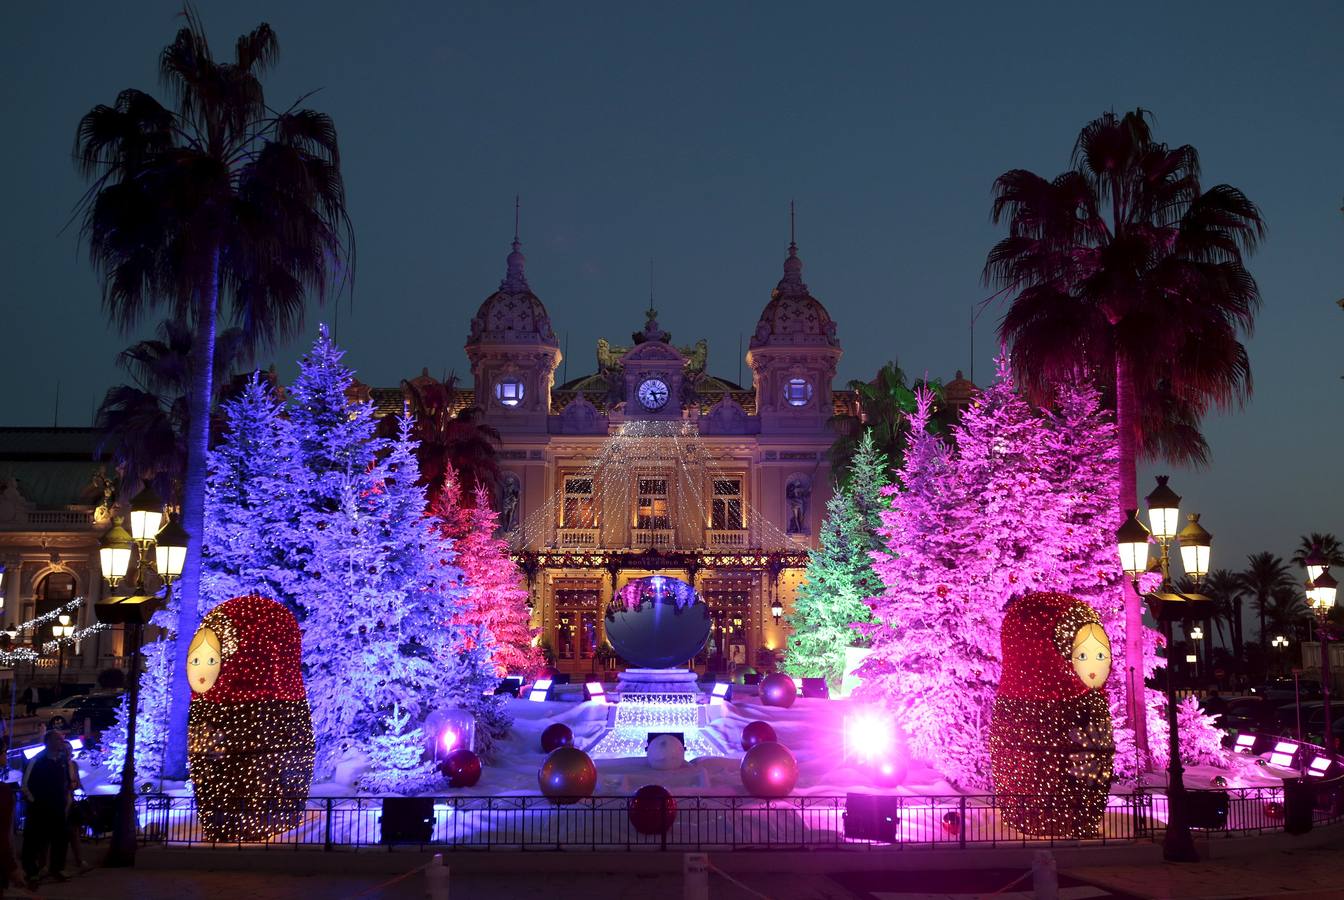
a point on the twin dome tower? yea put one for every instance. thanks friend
(793, 355)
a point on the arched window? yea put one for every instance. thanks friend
(55, 590)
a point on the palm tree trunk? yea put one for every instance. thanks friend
(193, 518)
(1126, 415)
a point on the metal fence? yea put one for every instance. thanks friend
(704, 822)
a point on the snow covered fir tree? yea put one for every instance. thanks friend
(831, 601)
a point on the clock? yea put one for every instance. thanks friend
(653, 394)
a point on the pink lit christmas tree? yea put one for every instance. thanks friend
(496, 599)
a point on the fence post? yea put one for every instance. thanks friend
(327, 842)
(961, 832)
(695, 866)
(436, 879)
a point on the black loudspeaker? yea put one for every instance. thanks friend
(1207, 809)
(816, 687)
(869, 817)
(751, 678)
(407, 820)
(1299, 799)
(561, 678)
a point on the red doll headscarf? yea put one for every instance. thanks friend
(1038, 638)
(260, 650)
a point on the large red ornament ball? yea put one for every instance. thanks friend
(769, 770)
(952, 822)
(652, 809)
(1274, 810)
(757, 733)
(462, 768)
(778, 689)
(1219, 781)
(556, 736)
(567, 776)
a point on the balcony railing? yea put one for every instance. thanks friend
(662, 538)
(580, 538)
(53, 519)
(728, 540)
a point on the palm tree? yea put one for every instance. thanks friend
(1125, 270)
(1224, 589)
(1264, 574)
(450, 439)
(1326, 546)
(144, 423)
(885, 404)
(1287, 610)
(214, 207)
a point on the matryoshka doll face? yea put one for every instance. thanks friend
(1092, 655)
(204, 660)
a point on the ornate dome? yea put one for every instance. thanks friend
(793, 316)
(513, 314)
(959, 391)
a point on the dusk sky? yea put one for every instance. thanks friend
(680, 133)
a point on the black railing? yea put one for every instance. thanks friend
(704, 822)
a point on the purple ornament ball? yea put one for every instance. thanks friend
(757, 733)
(652, 810)
(556, 736)
(778, 689)
(462, 768)
(769, 770)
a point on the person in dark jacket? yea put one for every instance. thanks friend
(46, 787)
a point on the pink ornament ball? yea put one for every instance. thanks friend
(778, 689)
(462, 768)
(769, 770)
(652, 809)
(757, 733)
(567, 776)
(556, 736)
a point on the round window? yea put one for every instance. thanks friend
(798, 391)
(509, 391)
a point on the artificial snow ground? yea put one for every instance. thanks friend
(504, 807)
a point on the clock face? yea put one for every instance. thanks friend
(652, 394)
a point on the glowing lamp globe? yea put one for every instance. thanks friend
(1323, 591)
(657, 622)
(769, 770)
(556, 736)
(652, 809)
(567, 776)
(1132, 541)
(778, 689)
(114, 553)
(1164, 510)
(146, 515)
(462, 768)
(757, 733)
(170, 550)
(450, 730)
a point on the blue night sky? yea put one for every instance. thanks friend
(680, 133)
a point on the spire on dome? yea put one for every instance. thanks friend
(515, 279)
(792, 281)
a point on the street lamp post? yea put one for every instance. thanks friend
(60, 632)
(133, 611)
(1323, 590)
(1169, 607)
(1280, 645)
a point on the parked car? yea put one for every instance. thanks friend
(1313, 723)
(1252, 713)
(1283, 690)
(98, 710)
(57, 715)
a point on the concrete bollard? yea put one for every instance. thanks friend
(696, 868)
(1045, 876)
(436, 879)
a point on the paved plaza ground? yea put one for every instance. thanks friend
(1308, 874)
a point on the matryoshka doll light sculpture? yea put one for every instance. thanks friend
(1051, 746)
(250, 732)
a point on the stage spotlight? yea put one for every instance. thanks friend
(541, 690)
(721, 692)
(1285, 754)
(594, 691)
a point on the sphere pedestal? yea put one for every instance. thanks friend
(657, 681)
